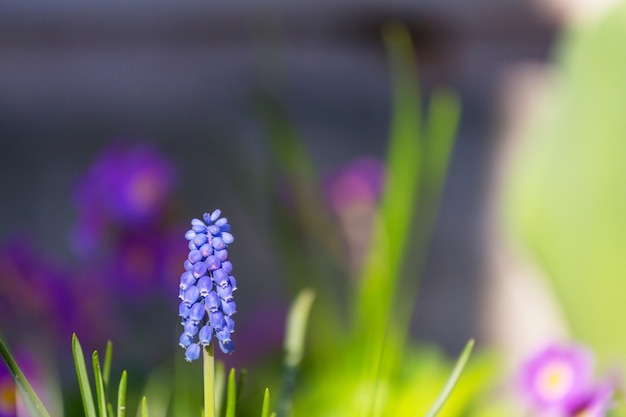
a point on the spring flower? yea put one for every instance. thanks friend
(556, 377)
(126, 185)
(353, 193)
(206, 287)
(594, 403)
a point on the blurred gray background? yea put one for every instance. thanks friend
(76, 75)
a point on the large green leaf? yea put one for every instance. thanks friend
(566, 196)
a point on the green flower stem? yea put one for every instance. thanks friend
(208, 359)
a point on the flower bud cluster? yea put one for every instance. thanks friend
(206, 287)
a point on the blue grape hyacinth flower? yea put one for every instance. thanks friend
(206, 287)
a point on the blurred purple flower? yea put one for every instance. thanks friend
(143, 262)
(33, 289)
(8, 400)
(353, 193)
(593, 403)
(360, 181)
(556, 377)
(126, 185)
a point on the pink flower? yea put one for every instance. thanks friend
(556, 377)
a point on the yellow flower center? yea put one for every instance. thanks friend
(555, 380)
(7, 397)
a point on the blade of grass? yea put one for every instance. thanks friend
(144, 407)
(106, 369)
(100, 395)
(121, 396)
(294, 347)
(243, 375)
(452, 380)
(83, 378)
(110, 410)
(265, 409)
(231, 395)
(32, 401)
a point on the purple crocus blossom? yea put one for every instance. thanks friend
(556, 377)
(127, 185)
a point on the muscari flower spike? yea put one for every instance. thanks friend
(206, 287)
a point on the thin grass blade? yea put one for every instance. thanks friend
(144, 407)
(231, 395)
(106, 368)
(265, 409)
(121, 396)
(100, 393)
(452, 380)
(32, 401)
(83, 378)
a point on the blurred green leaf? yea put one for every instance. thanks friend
(231, 396)
(32, 401)
(83, 378)
(564, 197)
(144, 407)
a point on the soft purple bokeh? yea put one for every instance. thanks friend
(33, 289)
(555, 377)
(359, 181)
(593, 403)
(145, 262)
(127, 185)
(8, 405)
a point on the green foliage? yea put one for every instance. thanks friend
(565, 199)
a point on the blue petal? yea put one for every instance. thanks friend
(216, 214)
(222, 255)
(185, 340)
(225, 293)
(200, 239)
(213, 302)
(205, 285)
(193, 352)
(220, 277)
(187, 280)
(206, 250)
(199, 269)
(205, 335)
(229, 307)
(191, 328)
(227, 347)
(213, 262)
(227, 238)
(216, 319)
(194, 256)
(191, 295)
(227, 266)
(183, 310)
(190, 234)
(196, 312)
